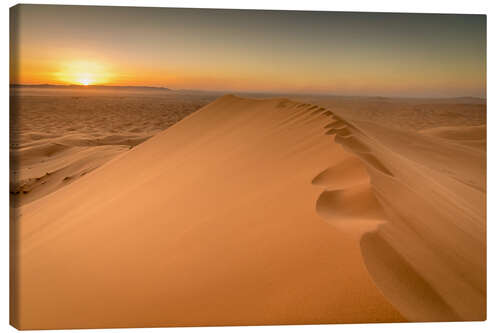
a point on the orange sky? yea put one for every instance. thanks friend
(275, 51)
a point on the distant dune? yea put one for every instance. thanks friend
(264, 211)
(474, 136)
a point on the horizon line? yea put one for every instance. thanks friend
(332, 94)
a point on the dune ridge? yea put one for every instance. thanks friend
(221, 220)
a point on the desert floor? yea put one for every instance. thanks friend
(190, 208)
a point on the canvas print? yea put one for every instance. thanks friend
(211, 167)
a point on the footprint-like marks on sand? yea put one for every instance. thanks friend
(348, 173)
(351, 140)
(348, 201)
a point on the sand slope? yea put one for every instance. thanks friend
(212, 221)
(429, 256)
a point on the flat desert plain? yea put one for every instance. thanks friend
(190, 208)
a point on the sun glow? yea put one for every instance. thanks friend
(83, 73)
(85, 80)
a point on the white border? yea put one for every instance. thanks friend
(490, 8)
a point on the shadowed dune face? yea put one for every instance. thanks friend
(428, 253)
(354, 208)
(211, 222)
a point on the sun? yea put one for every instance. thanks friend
(82, 72)
(85, 81)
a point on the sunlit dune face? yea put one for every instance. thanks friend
(83, 73)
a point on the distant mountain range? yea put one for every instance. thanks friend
(457, 99)
(89, 86)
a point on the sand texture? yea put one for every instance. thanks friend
(254, 211)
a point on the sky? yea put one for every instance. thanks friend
(372, 54)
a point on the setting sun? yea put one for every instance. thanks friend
(83, 73)
(85, 80)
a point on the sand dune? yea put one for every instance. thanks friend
(212, 221)
(259, 212)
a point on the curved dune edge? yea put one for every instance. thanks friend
(420, 216)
